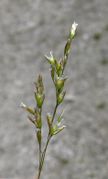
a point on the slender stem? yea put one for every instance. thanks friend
(39, 153)
(41, 162)
(44, 152)
(39, 174)
(43, 157)
(40, 150)
(54, 112)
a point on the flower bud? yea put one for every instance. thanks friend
(73, 30)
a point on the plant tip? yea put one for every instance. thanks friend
(73, 29)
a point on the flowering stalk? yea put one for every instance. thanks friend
(35, 114)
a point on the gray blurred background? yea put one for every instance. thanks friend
(28, 30)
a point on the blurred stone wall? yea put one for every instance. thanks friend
(28, 30)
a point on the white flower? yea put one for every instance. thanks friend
(73, 29)
(50, 59)
(22, 105)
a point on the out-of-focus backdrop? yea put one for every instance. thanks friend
(28, 30)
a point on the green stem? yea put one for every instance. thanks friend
(54, 112)
(41, 162)
(39, 153)
(40, 150)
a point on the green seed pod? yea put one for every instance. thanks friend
(59, 83)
